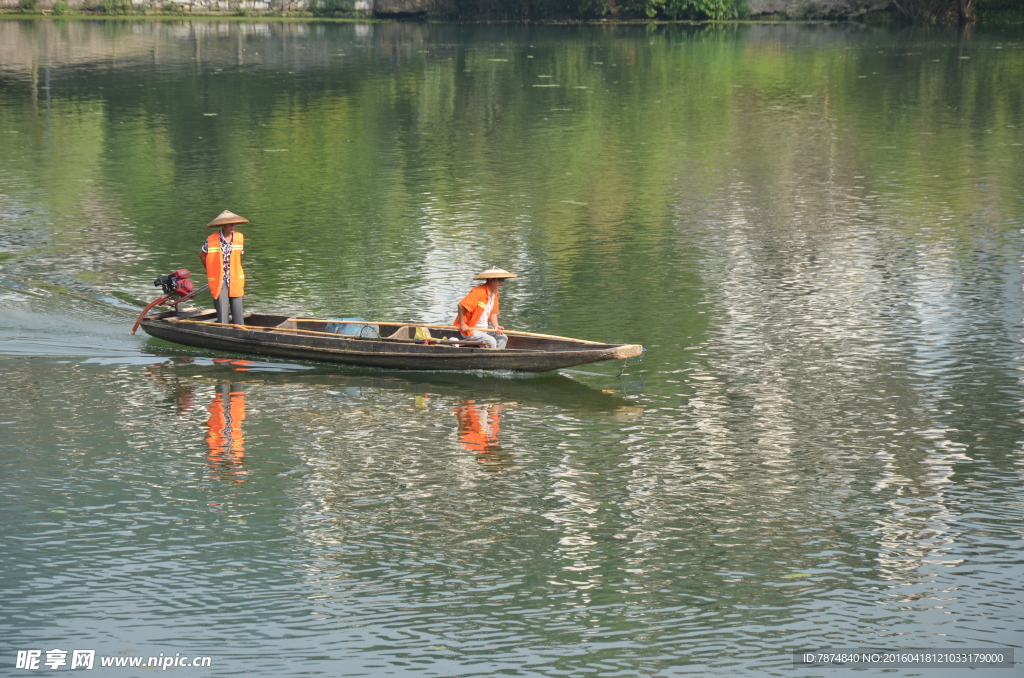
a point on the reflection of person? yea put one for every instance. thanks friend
(224, 430)
(481, 306)
(478, 430)
(221, 254)
(180, 391)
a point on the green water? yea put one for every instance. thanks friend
(815, 230)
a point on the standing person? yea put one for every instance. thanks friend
(221, 254)
(481, 306)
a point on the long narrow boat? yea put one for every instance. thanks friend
(393, 345)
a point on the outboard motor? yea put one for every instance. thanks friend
(177, 288)
(176, 283)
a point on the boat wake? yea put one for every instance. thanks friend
(37, 324)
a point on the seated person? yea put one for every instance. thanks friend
(481, 306)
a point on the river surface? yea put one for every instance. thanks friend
(815, 231)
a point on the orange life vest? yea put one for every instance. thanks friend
(215, 266)
(474, 303)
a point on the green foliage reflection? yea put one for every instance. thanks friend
(591, 157)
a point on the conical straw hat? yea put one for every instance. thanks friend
(227, 217)
(494, 272)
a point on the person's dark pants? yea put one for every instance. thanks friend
(223, 302)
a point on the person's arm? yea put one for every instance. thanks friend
(460, 321)
(494, 323)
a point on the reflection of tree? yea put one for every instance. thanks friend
(478, 132)
(478, 428)
(224, 436)
(938, 11)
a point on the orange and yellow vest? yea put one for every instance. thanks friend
(215, 266)
(474, 303)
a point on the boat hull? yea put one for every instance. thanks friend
(265, 336)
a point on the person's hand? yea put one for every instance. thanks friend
(499, 328)
(463, 328)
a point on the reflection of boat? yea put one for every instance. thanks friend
(548, 390)
(393, 346)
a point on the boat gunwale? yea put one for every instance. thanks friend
(515, 333)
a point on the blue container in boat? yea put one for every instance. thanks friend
(348, 328)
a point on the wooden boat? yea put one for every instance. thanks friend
(394, 345)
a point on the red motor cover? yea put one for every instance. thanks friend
(183, 288)
(181, 274)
